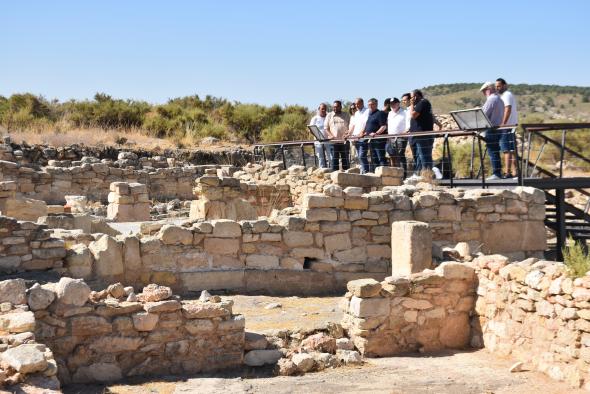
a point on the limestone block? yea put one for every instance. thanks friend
(222, 246)
(454, 270)
(411, 247)
(318, 214)
(119, 187)
(213, 280)
(513, 236)
(395, 172)
(108, 257)
(98, 372)
(27, 358)
(353, 255)
(131, 258)
(175, 235)
(364, 288)
(13, 291)
(72, 291)
(455, 331)
(262, 261)
(40, 297)
(344, 179)
(313, 200)
(224, 228)
(24, 209)
(337, 242)
(17, 322)
(356, 202)
(144, 321)
(78, 261)
(297, 238)
(368, 307)
(204, 310)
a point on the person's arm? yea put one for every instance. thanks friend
(507, 111)
(415, 109)
(383, 122)
(327, 127)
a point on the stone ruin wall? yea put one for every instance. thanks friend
(26, 246)
(425, 311)
(99, 337)
(532, 311)
(52, 184)
(535, 312)
(339, 235)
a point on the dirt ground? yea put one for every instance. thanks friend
(449, 372)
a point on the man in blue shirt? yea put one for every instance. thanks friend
(376, 126)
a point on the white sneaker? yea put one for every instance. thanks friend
(437, 173)
(493, 178)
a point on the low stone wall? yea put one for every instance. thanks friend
(26, 246)
(533, 311)
(229, 198)
(52, 184)
(99, 337)
(128, 202)
(426, 311)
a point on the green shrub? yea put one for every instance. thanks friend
(576, 259)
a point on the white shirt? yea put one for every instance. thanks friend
(396, 122)
(408, 118)
(359, 120)
(318, 121)
(509, 99)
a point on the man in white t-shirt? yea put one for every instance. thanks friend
(323, 150)
(396, 124)
(507, 137)
(357, 128)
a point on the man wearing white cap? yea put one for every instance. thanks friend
(494, 110)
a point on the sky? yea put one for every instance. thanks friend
(278, 52)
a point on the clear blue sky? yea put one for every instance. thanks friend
(299, 52)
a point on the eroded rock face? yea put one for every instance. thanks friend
(40, 297)
(26, 358)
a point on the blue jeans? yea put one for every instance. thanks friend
(323, 151)
(424, 152)
(362, 149)
(377, 153)
(492, 139)
(413, 147)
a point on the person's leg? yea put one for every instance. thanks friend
(329, 149)
(345, 155)
(362, 149)
(335, 155)
(377, 152)
(382, 153)
(426, 153)
(401, 153)
(415, 155)
(319, 151)
(493, 148)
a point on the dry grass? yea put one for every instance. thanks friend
(92, 137)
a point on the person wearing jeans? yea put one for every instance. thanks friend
(323, 150)
(494, 110)
(336, 127)
(376, 126)
(422, 119)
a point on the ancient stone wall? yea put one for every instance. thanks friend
(26, 246)
(230, 198)
(533, 311)
(99, 336)
(52, 184)
(344, 235)
(425, 311)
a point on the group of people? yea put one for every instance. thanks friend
(359, 129)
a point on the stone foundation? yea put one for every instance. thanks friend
(534, 312)
(99, 337)
(427, 311)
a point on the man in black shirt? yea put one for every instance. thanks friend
(422, 120)
(376, 126)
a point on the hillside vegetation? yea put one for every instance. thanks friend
(185, 121)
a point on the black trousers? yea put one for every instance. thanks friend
(340, 150)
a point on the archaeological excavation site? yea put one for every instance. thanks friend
(120, 266)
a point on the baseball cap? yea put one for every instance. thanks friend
(486, 86)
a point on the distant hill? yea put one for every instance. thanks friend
(536, 103)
